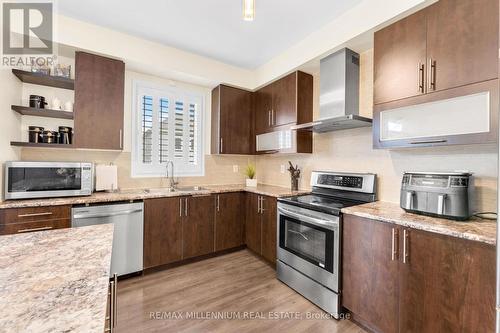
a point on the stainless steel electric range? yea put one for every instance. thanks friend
(310, 235)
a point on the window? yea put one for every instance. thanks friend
(167, 126)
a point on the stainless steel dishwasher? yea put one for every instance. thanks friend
(128, 219)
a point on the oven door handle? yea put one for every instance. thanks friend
(330, 224)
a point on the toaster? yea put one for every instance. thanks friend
(440, 194)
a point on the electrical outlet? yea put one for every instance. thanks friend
(282, 168)
(236, 168)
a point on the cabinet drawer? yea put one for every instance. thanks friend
(16, 228)
(33, 214)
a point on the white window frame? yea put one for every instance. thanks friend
(157, 169)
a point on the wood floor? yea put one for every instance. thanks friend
(236, 284)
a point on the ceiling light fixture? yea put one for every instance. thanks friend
(248, 10)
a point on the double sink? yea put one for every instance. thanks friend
(176, 189)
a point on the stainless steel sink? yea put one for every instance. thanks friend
(177, 189)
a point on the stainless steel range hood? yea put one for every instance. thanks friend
(339, 94)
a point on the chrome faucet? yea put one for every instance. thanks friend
(170, 176)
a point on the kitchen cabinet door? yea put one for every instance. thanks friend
(400, 59)
(232, 121)
(284, 109)
(446, 285)
(162, 231)
(462, 43)
(229, 220)
(369, 273)
(263, 105)
(253, 223)
(198, 226)
(99, 98)
(269, 221)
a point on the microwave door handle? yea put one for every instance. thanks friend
(440, 208)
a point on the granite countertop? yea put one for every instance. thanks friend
(140, 194)
(55, 281)
(475, 229)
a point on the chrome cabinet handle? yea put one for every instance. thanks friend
(421, 74)
(269, 117)
(218, 202)
(394, 252)
(112, 307)
(262, 204)
(221, 143)
(34, 229)
(121, 139)
(428, 142)
(180, 207)
(273, 117)
(258, 204)
(35, 214)
(405, 246)
(441, 202)
(186, 207)
(115, 299)
(432, 74)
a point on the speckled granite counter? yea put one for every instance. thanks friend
(475, 229)
(55, 281)
(140, 194)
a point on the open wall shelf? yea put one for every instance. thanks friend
(40, 145)
(48, 113)
(44, 80)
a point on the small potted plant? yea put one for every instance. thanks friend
(250, 173)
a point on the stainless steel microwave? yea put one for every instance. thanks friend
(26, 180)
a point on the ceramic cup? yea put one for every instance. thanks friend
(56, 104)
(68, 106)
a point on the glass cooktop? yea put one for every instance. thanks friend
(322, 203)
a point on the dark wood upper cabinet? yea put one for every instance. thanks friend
(284, 110)
(399, 279)
(162, 231)
(447, 285)
(369, 275)
(286, 101)
(400, 57)
(229, 220)
(197, 226)
(462, 43)
(427, 60)
(253, 223)
(99, 98)
(232, 121)
(263, 105)
(268, 225)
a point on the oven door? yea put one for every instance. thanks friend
(44, 179)
(308, 241)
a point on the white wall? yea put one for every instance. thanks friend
(10, 129)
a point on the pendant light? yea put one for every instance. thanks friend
(248, 10)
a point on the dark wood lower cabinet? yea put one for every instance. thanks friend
(447, 285)
(369, 275)
(268, 227)
(162, 231)
(260, 225)
(229, 220)
(399, 279)
(252, 223)
(198, 226)
(30, 219)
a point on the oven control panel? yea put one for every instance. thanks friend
(341, 181)
(351, 182)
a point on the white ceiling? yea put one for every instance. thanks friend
(213, 28)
